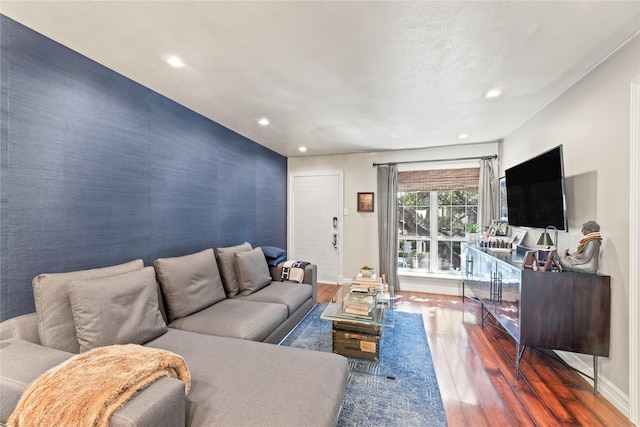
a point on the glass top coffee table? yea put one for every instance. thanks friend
(357, 332)
(381, 313)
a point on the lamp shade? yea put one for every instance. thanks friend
(545, 239)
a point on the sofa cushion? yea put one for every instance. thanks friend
(119, 309)
(293, 295)
(274, 255)
(244, 383)
(236, 319)
(252, 271)
(56, 326)
(227, 263)
(189, 283)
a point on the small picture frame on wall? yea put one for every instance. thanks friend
(365, 202)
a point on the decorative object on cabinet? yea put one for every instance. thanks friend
(501, 228)
(518, 237)
(472, 232)
(365, 202)
(530, 261)
(585, 259)
(567, 311)
(545, 239)
(548, 260)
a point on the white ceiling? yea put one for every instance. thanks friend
(346, 76)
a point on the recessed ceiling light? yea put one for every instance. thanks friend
(263, 121)
(463, 136)
(302, 149)
(493, 93)
(175, 61)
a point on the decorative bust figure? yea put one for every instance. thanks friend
(585, 259)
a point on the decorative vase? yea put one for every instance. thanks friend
(366, 273)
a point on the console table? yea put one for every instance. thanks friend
(555, 310)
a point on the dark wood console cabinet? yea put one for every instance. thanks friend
(555, 310)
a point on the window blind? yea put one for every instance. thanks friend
(439, 179)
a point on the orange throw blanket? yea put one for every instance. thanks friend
(89, 388)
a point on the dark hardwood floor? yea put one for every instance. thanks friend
(475, 370)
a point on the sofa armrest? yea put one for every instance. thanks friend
(162, 403)
(24, 327)
(310, 277)
(21, 362)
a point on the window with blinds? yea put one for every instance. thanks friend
(439, 179)
(434, 209)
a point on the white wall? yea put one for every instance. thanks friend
(592, 121)
(361, 229)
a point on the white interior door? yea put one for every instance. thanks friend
(316, 222)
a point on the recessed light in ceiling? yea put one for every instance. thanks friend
(175, 62)
(263, 121)
(302, 149)
(463, 136)
(493, 93)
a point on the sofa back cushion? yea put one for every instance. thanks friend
(189, 283)
(227, 263)
(56, 326)
(120, 309)
(252, 270)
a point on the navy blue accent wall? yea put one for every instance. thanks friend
(99, 170)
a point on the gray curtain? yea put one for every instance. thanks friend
(488, 192)
(388, 223)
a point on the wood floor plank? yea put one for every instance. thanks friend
(515, 411)
(505, 353)
(476, 372)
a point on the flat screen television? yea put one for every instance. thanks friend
(535, 192)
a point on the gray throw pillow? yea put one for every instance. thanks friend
(253, 271)
(119, 309)
(56, 326)
(227, 262)
(189, 283)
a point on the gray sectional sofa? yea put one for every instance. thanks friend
(221, 311)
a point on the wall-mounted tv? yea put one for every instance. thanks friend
(535, 192)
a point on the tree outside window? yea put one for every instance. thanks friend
(434, 219)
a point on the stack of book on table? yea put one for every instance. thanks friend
(366, 285)
(358, 306)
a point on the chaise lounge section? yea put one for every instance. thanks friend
(189, 306)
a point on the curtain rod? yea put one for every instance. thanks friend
(495, 156)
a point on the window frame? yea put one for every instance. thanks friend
(434, 238)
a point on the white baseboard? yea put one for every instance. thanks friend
(605, 387)
(432, 284)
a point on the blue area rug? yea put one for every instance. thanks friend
(401, 390)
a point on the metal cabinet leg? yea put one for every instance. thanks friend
(463, 291)
(595, 375)
(519, 354)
